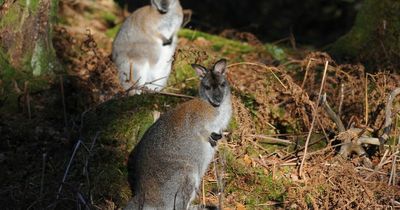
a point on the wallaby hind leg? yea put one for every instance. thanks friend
(185, 194)
(133, 76)
(159, 80)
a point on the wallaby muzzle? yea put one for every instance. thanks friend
(215, 103)
(163, 8)
(162, 11)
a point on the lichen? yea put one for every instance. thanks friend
(42, 60)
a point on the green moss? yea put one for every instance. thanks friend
(276, 52)
(360, 34)
(233, 125)
(11, 17)
(112, 32)
(217, 47)
(219, 43)
(249, 102)
(108, 17)
(34, 5)
(374, 38)
(54, 17)
(252, 185)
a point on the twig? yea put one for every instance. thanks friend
(28, 99)
(388, 115)
(323, 129)
(44, 156)
(203, 192)
(378, 167)
(370, 170)
(315, 111)
(306, 73)
(341, 99)
(270, 140)
(219, 185)
(366, 100)
(144, 89)
(368, 140)
(392, 178)
(259, 65)
(86, 168)
(68, 167)
(332, 114)
(63, 101)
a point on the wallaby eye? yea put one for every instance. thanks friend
(207, 87)
(223, 84)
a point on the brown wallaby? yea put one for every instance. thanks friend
(145, 44)
(166, 167)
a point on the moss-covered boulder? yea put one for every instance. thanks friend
(375, 36)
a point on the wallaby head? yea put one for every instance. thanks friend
(163, 6)
(214, 86)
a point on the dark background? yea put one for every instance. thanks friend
(312, 22)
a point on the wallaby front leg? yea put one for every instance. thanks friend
(214, 137)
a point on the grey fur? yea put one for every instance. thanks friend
(167, 166)
(145, 44)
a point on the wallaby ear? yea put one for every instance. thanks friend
(220, 66)
(200, 70)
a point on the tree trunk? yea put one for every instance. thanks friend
(374, 39)
(27, 57)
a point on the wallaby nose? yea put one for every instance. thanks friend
(163, 7)
(217, 99)
(162, 10)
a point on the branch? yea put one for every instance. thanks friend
(368, 140)
(332, 114)
(388, 115)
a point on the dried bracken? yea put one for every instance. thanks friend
(89, 68)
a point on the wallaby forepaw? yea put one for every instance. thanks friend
(167, 42)
(216, 136)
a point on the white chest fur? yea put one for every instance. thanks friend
(221, 122)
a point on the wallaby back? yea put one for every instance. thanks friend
(166, 167)
(145, 44)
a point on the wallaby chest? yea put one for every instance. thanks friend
(169, 24)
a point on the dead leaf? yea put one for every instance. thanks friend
(240, 206)
(247, 160)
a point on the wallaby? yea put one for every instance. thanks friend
(145, 44)
(165, 169)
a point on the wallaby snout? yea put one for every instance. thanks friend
(162, 5)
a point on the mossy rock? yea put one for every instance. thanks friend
(119, 125)
(374, 38)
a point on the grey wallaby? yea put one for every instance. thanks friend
(145, 44)
(166, 167)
